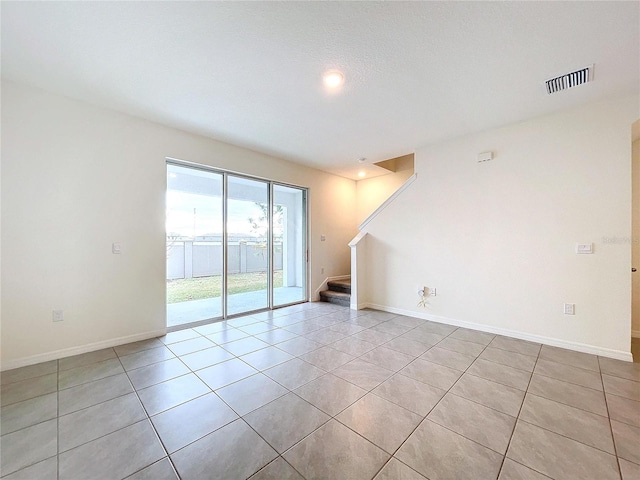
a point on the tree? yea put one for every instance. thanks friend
(260, 226)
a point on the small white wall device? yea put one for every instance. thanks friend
(485, 157)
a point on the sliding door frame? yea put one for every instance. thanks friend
(270, 242)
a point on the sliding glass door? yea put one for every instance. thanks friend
(289, 244)
(235, 244)
(247, 245)
(194, 220)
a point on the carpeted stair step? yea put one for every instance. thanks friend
(343, 286)
(338, 298)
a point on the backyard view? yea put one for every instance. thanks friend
(221, 225)
(184, 290)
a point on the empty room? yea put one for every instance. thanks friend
(320, 240)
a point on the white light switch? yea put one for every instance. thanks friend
(582, 248)
(116, 248)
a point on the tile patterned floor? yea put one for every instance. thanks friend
(317, 391)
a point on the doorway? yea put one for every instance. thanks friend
(235, 244)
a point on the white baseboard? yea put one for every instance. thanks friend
(554, 342)
(68, 352)
(323, 286)
(635, 333)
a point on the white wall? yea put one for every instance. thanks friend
(497, 239)
(372, 192)
(76, 178)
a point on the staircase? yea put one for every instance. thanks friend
(339, 292)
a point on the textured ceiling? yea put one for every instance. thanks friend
(250, 73)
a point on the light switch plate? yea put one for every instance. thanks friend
(116, 248)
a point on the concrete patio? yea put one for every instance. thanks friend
(183, 313)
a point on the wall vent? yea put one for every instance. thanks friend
(570, 80)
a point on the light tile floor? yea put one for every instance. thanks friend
(320, 392)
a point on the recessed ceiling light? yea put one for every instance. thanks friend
(361, 174)
(333, 79)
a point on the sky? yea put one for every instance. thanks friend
(208, 214)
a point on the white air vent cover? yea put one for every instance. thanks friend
(569, 80)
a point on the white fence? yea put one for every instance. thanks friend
(202, 258)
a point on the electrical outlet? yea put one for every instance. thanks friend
(58, 315)
(569, 308)
(321, 269)
(432, 292)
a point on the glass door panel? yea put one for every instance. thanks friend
(289, 245)
(194, 245)
(247, 245)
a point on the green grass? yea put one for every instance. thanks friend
(183, 290)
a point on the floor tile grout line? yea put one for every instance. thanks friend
(525, 466)
(327, 413)
(512, 351)
(148, 419)
(633, 383)
(505, 365)
(567, 437)
(566, 404)
(359, 356)
(28, 378)
(292, 446)
(519, 419)
(68, 413)
(108, 376)
(495, 381)
(269, 402)
(482, 405)
(395, 336)
(93, 380)
(449, 391)
(34, 424)
(241, 417)
(613, 438)
(620, 377)
(620, 396)
(26, 400)
(564, 364)
(566, 381)
(320, 426)
(515, 424)
(425, 417)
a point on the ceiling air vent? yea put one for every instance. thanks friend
(569, 80)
